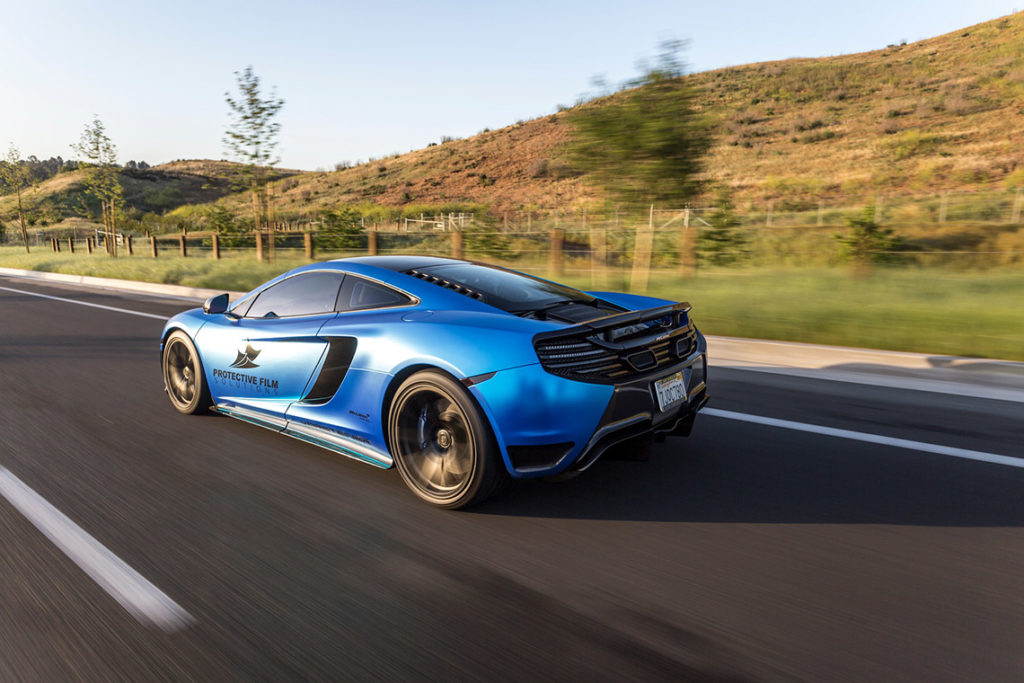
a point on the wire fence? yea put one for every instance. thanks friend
(948, 230)
(592, 245)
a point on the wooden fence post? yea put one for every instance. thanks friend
(215, 245)
(557, 237)
(687, 251)
(129, 247)
(642, 255)
(88, 245)
(259, 245)
(457, 245)
(71, 245)
(371, 243)
(307, 241)
(152, 246)
(598, 256)
(181, 244)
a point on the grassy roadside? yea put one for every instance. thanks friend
(925, 310)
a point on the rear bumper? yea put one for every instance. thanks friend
(546, 425)
(633, 412)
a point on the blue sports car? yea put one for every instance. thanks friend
(460, 374)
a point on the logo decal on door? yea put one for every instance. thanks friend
(245, 358)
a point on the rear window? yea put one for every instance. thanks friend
(504, 289)
(357, 293)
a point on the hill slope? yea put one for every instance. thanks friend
(943, 113)
(154, 190)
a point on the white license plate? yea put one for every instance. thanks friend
(671, 391)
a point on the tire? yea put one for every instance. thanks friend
(184, 381)
(441, 442)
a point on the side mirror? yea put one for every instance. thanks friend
(216, 304)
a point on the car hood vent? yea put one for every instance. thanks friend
(578, 313)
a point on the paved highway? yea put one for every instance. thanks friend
(748, 552)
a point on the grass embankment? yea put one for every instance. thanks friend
(929, 311)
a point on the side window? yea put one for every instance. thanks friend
(357, 293)
(305, 294)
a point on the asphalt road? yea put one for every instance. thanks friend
(746, 552)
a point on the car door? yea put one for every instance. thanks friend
(262, 354)
(347, 402)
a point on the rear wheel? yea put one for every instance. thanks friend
(184, 381)
(442, 445)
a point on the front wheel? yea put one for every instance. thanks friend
(442, 445)
(183, 375)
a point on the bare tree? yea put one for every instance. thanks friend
(252, 138)
(101, 175)
(14, 176)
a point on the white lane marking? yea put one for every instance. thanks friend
(935, 386)
(86, 303)
(938, 449)
(143, 600)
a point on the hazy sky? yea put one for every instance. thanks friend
(371, 78)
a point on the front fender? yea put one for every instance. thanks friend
(189, 322)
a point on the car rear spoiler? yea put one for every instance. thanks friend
(617, 331)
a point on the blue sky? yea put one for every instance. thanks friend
(368, 79)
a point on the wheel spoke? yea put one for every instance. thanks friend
(433, 470)
(440, 407)
(457, 462)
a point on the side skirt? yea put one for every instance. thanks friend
(318, 436)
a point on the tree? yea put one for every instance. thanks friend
(869, 243)
(14, 177)
(644, 144)
(101, 181)
(342, 228)
(723, 243)
(252, 135)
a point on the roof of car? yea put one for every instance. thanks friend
(401, 263)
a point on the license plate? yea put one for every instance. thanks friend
(671, 391)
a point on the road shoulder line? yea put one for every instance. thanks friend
(938, 449)
(85, 303)
(139, 597)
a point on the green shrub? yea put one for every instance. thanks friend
(341, 228)
(868, 242)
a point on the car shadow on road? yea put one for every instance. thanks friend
(735, 475)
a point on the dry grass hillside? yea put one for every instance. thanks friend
(154, 190)
(945, 113)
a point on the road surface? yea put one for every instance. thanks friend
(748, 552)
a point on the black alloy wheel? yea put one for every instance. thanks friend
(441, 442)
(184, 381)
